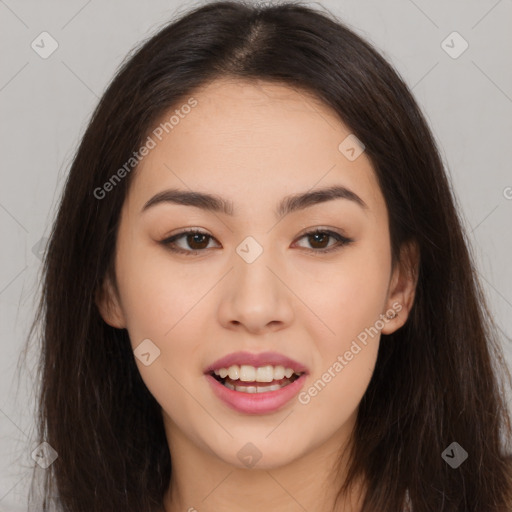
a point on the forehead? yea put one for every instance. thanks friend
(248, 139)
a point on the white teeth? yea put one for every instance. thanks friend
(275, 387)
(247, 373)
(234, 372)
(278, 372)
(265, 374)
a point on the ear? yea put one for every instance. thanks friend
(109, 306)
(402, 287)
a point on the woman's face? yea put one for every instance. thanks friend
(253, 280)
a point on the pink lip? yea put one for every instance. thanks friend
(256, 360)
(256, 403)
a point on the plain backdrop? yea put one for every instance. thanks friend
(45, 104)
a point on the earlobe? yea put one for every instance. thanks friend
(402, 287)
(108, 304)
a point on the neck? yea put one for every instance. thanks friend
(202, 482)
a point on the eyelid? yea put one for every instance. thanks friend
(186, 231)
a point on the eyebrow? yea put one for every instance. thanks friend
(289, 204)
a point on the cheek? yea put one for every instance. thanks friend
(161, 305)
(351, 308)
(349, 293)
(156, 294)
(163, 301)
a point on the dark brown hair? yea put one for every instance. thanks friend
(438, 379)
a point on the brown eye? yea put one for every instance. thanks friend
(194, 242)
(197, 240)
(319, 239)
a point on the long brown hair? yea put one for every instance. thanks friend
(439, 379)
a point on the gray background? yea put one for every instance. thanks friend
(46, 103)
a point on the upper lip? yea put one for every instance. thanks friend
(261, 359)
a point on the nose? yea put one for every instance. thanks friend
(256, 297)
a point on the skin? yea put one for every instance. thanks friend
(253, 143)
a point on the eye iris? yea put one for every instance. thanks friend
(322, 236)
(194, 237)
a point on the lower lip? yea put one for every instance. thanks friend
(256, 403)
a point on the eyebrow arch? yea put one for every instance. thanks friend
(288, 204)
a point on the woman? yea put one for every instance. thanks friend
(257, 294)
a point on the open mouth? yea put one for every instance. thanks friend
(260, 389)
(255, 386)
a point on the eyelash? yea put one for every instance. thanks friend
(342, 241)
